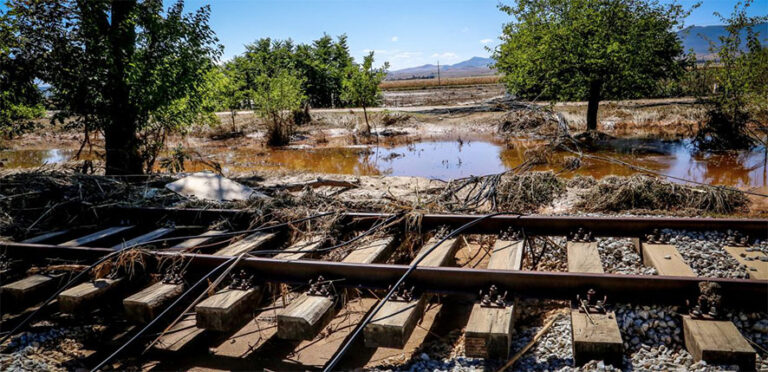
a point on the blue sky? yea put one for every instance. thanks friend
(405, 33)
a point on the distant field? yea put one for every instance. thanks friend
(428, 83)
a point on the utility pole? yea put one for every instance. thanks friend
(438, 72)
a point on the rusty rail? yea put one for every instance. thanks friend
(739, 293)
(614, 226)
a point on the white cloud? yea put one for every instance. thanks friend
(397, 58)
(394, 38)
(485, 41)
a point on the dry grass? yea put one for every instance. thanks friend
(528, 121)
(527, 192)
(664, 120)
(640, 192)
(427, 83)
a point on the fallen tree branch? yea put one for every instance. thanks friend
(319, 183)
(533, 341)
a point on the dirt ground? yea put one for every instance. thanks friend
(442, 96)
(666, 119)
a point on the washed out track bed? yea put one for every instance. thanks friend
(180, 288)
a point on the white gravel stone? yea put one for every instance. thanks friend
(620, 257)
(704, 253)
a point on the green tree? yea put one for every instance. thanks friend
(322, 64)
(20, 98)
(589, 49)
(276, 97)
(361, 86)
(125, 68)
(741, 77)
(227, 91)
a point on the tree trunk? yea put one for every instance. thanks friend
(594, 101)
(122, 146)
(367, 126)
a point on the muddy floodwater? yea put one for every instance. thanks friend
(450, 159)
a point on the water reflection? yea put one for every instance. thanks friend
(35, 158)
(456, 159)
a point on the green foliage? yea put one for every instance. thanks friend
(17, 118)
(322, 64)
(127, 68)
(741, 78)
(20, 98)
(225, 92)
(276, 97)
(361, 86)
(589, 49)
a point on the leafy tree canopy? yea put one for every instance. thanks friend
(322, 64)
(361, 85)
(126, 68)
(589, 49)
(741, 77)
(20, 98)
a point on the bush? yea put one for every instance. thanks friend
(741, 78)
(276, 98)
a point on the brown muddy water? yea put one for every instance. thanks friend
(450, 159)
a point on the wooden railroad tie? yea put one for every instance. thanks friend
(305, 317)
(717, 342)
(489, 330)
(666, 259)
(143, 306)
(144, 238)
(394, 323)
(755, 261)
(187, 331)
(308, 314)
(197, 241)
(27, 291)
(87, 295)
(596, 336)
(97, 236)
(301, 248)
(714, 341)
(247, 244)
(227, 309)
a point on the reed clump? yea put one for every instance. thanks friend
(640, 192)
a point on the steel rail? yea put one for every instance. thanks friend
(647, 289)
(608, 226)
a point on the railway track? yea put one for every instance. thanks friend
(317, 300)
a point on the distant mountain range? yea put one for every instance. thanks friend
(693, 37)
(475, 66)
(698, 37)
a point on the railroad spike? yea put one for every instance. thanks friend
(174, 275)
(493, 298)
(591, 304)
(241, 281)
(320, 287)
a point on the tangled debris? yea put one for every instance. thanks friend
(527, 192)
(31, 201)
(516, 193)
(531, 119)
(392, 118)
(640, 192)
